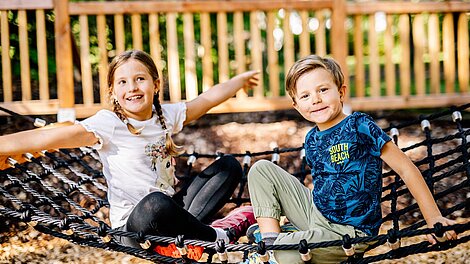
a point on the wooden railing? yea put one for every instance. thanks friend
(400, 63)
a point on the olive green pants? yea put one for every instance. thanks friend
(275, 192)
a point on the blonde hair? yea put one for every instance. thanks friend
(308, 64)
(148, 62)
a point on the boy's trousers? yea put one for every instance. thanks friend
(275, 192)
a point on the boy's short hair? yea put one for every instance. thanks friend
(311, 63)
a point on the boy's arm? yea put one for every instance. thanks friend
(401, 164)
(218, 94)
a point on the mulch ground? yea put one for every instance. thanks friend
(254, 132)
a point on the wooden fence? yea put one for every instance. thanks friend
(396, 54)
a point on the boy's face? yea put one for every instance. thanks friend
(318, 99)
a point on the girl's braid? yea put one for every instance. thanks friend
(170, 145)
(118, 110)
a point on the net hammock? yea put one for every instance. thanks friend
(63, 193)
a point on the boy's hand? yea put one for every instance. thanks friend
(449, 235)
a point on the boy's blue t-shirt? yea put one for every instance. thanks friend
(347, 171)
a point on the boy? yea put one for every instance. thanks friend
(345, 154)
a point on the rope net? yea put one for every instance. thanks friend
(63, 193)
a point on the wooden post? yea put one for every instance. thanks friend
(63, 43)
(339, 46)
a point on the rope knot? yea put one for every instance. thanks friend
(304, 250)
(348, 247)
(221, 250)
(393, 239)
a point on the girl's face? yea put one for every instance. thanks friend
(318, 99)
(134, 88)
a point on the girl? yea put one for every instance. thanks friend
(136, 149)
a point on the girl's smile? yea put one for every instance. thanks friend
(134, 89)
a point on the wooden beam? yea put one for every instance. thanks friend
(26, 4)
(104, 8)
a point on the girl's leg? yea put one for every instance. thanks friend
(159, 214)
(211, 189)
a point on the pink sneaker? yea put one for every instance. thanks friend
(236, 222)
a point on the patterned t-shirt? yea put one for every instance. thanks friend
(347, 171)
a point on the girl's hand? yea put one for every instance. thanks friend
(248, 80)
(449, 235)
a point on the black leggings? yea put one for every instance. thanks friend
(188, 211)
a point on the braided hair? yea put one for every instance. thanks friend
(148, 62)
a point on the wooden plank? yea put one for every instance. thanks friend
(189, 57)
(239, 43)
(410, 7)
(434, 48)
(389, 63)
(87, 76)
(103, 59)
(463, 52)
(119, 33)
(136, 23)
(419, 38)
(173, 58)
(213, 6)
(155, 48)
(405, 69)
(400, 102)
(360, 78)
(26, 4)
(42, 55)
(449, 52)
(320, 34)
(273, 60)
(289, 57)
(24, 56)
(207, 67)
(374, 64)
(304, 38)
(6, 62)
(222, 47)
(256, 57)
(63, 44)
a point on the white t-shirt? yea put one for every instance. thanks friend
(127, 159)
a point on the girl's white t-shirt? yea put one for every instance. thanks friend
(134, 165)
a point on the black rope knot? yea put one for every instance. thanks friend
(145, 244)
(103, 232)
(393, 239)
(26, 213)
(304, 251)
(64, 225)
(348, 247)
(439, 232)
(221, 250)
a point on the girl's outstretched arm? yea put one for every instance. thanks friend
(67, 136)
(401, 164)
(218, 94)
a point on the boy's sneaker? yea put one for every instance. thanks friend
(254, 235)
(194, 252)
(236, 222)
(255, 258)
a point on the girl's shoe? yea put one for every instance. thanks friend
(236, 222)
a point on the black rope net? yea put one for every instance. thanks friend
(63, 193)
